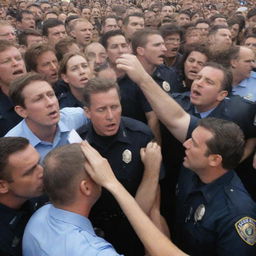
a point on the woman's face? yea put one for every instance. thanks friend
(234, 29)
(193, 64)
(78, 72)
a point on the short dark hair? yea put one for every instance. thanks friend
(50, 23)
(251, 13)
(213, 30)
(8, 146)
(216, 16)
(33, 52)
(5, 44)
(227, 141)
(98, 85)
(17, 86)
(167, 30)
(63, 170)
(140, 38)
(199, 21)
(109, 34)
(107, 17)
(22, 37)
(62, 46)
(127, 18)
(19, 15)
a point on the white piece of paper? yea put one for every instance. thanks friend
(74, 137)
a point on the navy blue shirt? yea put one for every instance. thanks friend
(8, 117)
(67, 99)
(216, 218)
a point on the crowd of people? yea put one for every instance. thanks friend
(127, 127)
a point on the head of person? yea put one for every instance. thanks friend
(218, 19)
(215, 144)
(62, 17)
(235, 25)
(66, 45)
(132, 23)
(29, 37)
(250, 42)
(148, 45)
(25, 20)
(66, 180)
(21, 176)
(210, 87)
(150, 19)
(183, 18)
(75, 71)
(81, 30)
(102, 105)
(36, 10)
(172, 36)
(12, 64)
(192, 35)
(219, 38)
(53, 30)
(115, 44)
(105, 71)
(204, 26)
(193, 60)
(96, 54)
(251, 18)
(242, 61)
(35, 100)
(166, 10)
(42, 58)
(51, 15)
(7, 31)
(45, 6)
(86, 13)
(109, 23)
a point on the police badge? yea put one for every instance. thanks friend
(127, 156)
(246, 228)
(166, 86)
(199, 213)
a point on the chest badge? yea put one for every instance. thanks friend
(166, 86)
(246, 228)
(199, 213)
(127, 156)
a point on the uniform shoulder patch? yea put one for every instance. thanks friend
(246, 228)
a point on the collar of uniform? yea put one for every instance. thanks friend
(157, 72)
(34, 140)
(121, 134)
(72, 101)
(71, 218)
(13, 216)
(5, 102)
(209, 190)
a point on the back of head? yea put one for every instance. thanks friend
(63, 172)
(227, 141)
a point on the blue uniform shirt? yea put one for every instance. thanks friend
(52, 231)
(67, 99)
(70, 118)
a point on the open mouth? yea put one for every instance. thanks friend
(85, 79)
(18, 72)
(53, 113)
(195, 93)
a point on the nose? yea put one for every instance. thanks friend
(50, 100)
(187, 143)
(109, 114)
(53, 66)
(40, 171)
(14, 62)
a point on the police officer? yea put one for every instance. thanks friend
(120, 141)
(21, 180)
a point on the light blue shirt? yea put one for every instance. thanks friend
(55, 232)
(247, 88)
(70, 118)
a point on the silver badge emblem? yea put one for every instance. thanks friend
(127, 156)
(166, 86)
(199, 213)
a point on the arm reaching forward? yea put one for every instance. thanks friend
(100, 171)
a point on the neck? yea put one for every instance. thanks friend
(77, 93)
(150, 68)
(44, 133)
(211, 175)
(236, 79)
(201, 109)
(12, 202)
(4, 89)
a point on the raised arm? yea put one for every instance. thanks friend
(166, 109)
(100, 171)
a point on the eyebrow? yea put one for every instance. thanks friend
(30, 169)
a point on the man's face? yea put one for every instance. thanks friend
(31, 39)
(116, 46)
(105, 112)
(245, 63)
(172, 44)
(55, 34)
(45, 7)
(196, 157)
(26, 174)
(154, 51)
(12, 66)
(86, 13)
(78, 72)
(149, 17)
(41, 108)
(221, 39)
(252, 22)
(220, 21)
(193, 64)
(95, 13)
(27, 21)
(134, 24)
(206, 92)
(96, 54)
(250, 42)
(204, 28)
(166, 11)
(37, 12)
(7, 33)
(110, 24)
(193, 36)
(47, 64)
(183, 19)
(83, 33)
